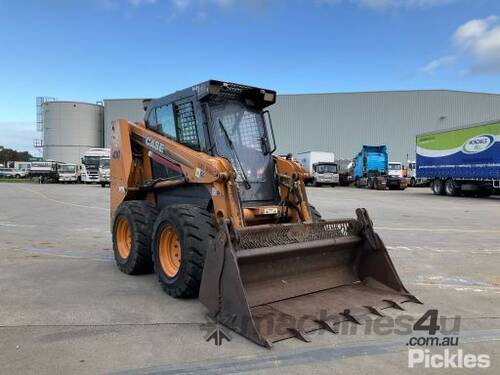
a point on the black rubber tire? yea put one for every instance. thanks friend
(195, 229)
(103, 184)
(376, 184)
(141, 217)
(437, 187)
(371, 183)
(450, 188)
(413, 182)
(316, 216)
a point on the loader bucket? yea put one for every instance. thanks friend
(273, 282)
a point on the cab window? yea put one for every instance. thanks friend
(165, 121)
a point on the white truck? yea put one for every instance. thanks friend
(69, 173)
(411, 175)
(395, 169)
(321, 167)
(91, 159)
(104, 171)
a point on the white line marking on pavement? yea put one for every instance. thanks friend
(62, 202)
(439, 230)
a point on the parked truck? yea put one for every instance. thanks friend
(411, 175)
(371, 170)
(69, 173)
(104, 171)
(461, 161)
(321, 167)
(91, 160)
(45, 171)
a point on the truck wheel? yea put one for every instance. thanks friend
(413, 182)
(316, 216)
(370, 183)
(182, 234)
(451, 188)
(375, 184)
(132, 229)
(103, 184)
(437, 187)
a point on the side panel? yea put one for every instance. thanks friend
(471, 153)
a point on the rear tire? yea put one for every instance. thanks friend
(132, 230)
(437, 187)
(182, 235)
(450, 188)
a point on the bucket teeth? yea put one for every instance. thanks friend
(394, 305)
(325, 324)
(347, 314)
(300, 334)
(374, 311)
(412, 298)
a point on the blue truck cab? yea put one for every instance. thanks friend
(371, 166)
(371, 160)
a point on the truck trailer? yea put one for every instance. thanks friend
(461, 161)
(371, 170)
(321, 167)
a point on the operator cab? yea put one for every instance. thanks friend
(221, 119)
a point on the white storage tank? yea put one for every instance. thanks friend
(71, 128)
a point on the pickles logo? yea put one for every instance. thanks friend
(478, 144)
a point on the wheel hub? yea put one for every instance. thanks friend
(169, 251)
(123, 238)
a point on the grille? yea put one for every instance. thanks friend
(277, 235)
(186, 122)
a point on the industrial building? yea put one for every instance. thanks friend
(337, 122)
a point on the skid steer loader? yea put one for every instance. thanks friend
(198, 197)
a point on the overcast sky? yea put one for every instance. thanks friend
(93, 49)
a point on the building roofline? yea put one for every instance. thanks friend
(354, 93)
(390, 91)
(72, 102)
(115, 99)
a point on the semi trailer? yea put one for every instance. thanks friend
(461, 161)
(371, 170)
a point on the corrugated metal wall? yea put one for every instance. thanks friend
(341, 123)
(115, 109)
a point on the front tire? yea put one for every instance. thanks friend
(182, 235)
(132, 230)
